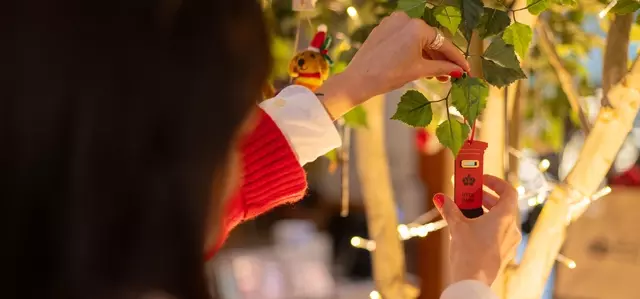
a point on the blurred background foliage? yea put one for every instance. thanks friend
(578, 36)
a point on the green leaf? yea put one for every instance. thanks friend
(414, 8)
(414, 109)
(430, 18)
(537, 6)
(502, 54)
(452, 134)
(356, 118)
(469, 96)
(625, 7)
(471, 13)
(449, 17)
(332, 156)
(519, 35)
(493, 21)
(338, 67)
(500, 76)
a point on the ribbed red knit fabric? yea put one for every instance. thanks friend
(272, 177)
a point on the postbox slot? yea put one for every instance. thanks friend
(470, 163)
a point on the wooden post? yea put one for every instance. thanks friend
(373, 168)
(436, 171)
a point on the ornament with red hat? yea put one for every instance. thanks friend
(311, 67)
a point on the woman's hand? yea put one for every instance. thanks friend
(481, 247)
(395, 53)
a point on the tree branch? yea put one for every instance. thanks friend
(616, 53)
(373, 169)
(565, 78)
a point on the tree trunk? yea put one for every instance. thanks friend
(616, 51)
(599, 151)
(388, 257)
(436, 171)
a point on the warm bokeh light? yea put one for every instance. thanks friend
(352, 12)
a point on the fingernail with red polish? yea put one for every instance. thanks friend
(438, 200)
(456, 74)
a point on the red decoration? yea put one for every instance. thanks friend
(630, 177)
(468, 178)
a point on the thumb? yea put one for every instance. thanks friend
(447, 208)
(434, 68)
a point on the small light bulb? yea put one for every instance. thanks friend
(603, 192)
(404, 232)
(521, 190)
(422, 231)
(532, 202)
(566, 261)
(603, 13)
(540, 198)
(356, 242)
(370, 245)
(352, 12)
(544, 165)
(374, 295)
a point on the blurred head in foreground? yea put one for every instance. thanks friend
(119, 124)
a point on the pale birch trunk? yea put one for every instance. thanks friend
(599, 151)
(371, 157)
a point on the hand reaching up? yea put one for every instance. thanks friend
(481, 247)
(398, 51)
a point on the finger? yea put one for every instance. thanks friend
(435, 55)
(426, 55)
(507, 194)
(454, 55)
(389, 25)
(489, 200)
(434, 68)
(447, 208)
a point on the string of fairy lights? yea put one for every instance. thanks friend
(423, 225)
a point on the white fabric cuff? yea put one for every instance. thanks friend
(304, 122)
(468, 289)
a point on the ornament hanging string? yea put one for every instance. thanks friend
(344, 161)
(473, 132)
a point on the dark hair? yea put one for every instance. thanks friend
(115, 115)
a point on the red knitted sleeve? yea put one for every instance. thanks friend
(272, 176)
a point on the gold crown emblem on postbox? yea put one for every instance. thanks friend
(468, 180)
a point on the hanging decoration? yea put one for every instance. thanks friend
(303, 5)
(310, 68)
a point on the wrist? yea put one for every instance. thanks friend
(468, 270)
(480, 277)
(341, 93)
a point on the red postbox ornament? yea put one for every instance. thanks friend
(468, 178)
